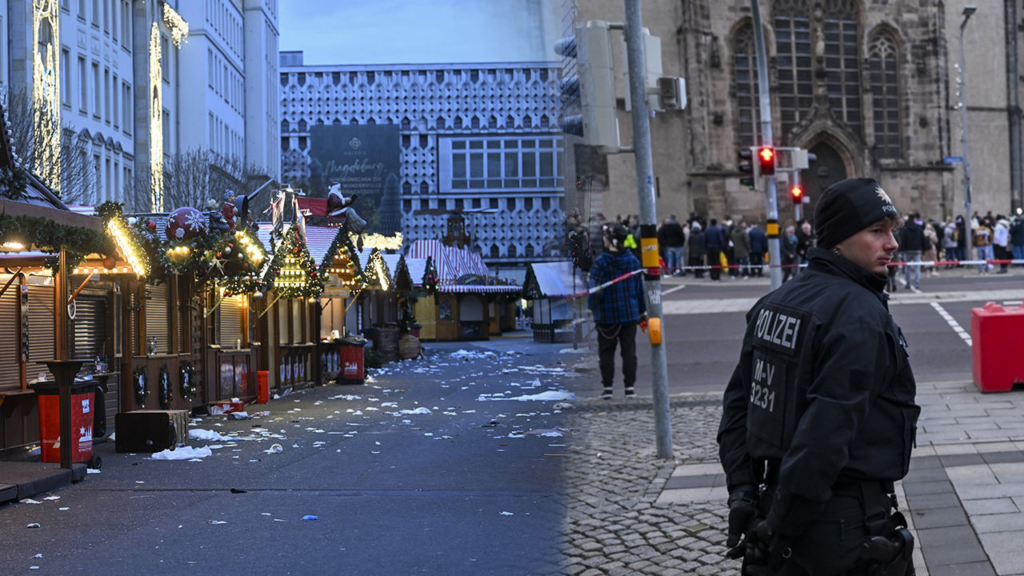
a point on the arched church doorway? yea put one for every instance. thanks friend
(826, 171)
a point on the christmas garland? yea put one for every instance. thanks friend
(48, 236)
(164, 388)
(14, 182)
(140, 386)
(186, 379)
(342, 243)
(307, 282)
(231, 263)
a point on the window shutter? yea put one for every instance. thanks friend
(157, 320)
(90, 327)
(40, 327)
(231, 321)
(10, 372)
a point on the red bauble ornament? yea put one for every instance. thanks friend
(218, 255)
(186, 223)
(109, 262)
(151, 225)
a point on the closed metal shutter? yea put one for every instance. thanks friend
(41, 322)
(181, 316)
(157, 320)
(232, 313)
(90, 327)
(10, 368)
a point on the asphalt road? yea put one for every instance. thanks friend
(702, 348)
(451, 491)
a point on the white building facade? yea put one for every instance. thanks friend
(137, 79)
(479, 138)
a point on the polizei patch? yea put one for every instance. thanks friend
(778, 329)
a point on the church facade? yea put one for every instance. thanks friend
(871, 87)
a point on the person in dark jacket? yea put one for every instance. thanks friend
(617, 309)
(758, 247)
(697, 249)
(1017, 238)
(788, 249)
(714, 243)
(911, 245)
(672, 238)
(804, 241)
(819, 416)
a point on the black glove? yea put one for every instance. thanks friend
(742, 512)
(765, 551)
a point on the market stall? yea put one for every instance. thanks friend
(552, 289)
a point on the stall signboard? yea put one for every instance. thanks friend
(334, 287)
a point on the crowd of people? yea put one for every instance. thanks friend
(739, 249)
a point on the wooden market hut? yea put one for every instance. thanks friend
(468, 303)
(552, 289)
(37, 232)
(289, 318)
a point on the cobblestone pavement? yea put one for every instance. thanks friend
(614, 526)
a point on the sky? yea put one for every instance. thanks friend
(420, 31)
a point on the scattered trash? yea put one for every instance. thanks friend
(507, 514)
(491, 424)
(92, 471)
(52, 498)
(38, 556)
(64, 509)
(310, 517)
(420, 410)
(33, 525)
(563, 406)
(549, 395)
(183, 453)
(206, 435)
(29, 501)
(275, 449)
(241, 416)
(216, 522)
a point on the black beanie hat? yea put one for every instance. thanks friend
(849, 206)
(616, 234)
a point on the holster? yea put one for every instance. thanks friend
(893, 556)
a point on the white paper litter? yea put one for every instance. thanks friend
(183, 453)
(543, 396)
(29, 501)
(420, 410)
(206, 435)
(275, 449)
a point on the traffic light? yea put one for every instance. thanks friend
(588, 85)
(745, 164)
(796, 194)
(766, 160)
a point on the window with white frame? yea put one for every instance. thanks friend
(493, 164)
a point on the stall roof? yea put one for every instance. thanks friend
(417, 268)
(553, 279)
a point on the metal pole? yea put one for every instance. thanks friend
(964, 140)
(771, 201)
(648, 217)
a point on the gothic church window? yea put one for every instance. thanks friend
(883, 57)
(745, 75)
(843, 84)
(793, 58)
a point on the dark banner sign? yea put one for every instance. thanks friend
(364, 159)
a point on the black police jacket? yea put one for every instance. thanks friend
(823, 391)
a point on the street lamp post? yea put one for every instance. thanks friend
(964, 140)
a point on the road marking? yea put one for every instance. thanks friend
(671, 290)
(964, 335)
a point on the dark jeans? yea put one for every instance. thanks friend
(715, 261)
(756, 264)
(608, 335)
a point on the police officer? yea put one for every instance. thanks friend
(819, 415)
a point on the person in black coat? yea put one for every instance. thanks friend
(788, 249)
(758, 246)
(714, 244)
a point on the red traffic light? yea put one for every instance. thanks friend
(766, 159)
(796, 193)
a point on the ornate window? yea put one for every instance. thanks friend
(883, 57)
(793, 57)
(744, 68)
(839, 29)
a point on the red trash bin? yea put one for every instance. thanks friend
(262, 386)
(996, 347)
(353, 364)
(82, 406)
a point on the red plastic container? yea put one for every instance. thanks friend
(82, 398)
(353, 366)
(227, 406)
(262, 386)
(996, 347)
